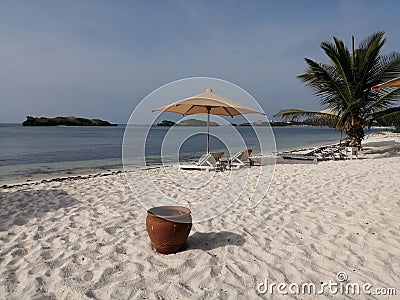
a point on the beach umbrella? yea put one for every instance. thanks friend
(208, 103)
(394, 83)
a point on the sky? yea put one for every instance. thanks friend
(99, 59)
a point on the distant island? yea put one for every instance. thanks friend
(188, 122)
(64, 121)
(194, 122)
(318, 122)
(166, 123)
(272, 123)
(307, 122)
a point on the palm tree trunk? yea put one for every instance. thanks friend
(356, 135)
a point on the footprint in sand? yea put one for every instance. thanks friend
(88, 276)
(19, 253)
(111, 230)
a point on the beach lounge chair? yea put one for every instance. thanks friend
(206, 162)
(351, 152)
(304, 154)
(217, 155)
(239, 159)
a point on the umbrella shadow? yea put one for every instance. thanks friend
(212, 240)
(18, 208)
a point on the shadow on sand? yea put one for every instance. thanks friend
(212, 240)
(17, 208)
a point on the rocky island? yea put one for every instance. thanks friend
(64, 121)
(166, 123)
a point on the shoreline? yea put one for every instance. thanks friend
(99, 171)
(51, 164)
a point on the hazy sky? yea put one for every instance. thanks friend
(100, 58)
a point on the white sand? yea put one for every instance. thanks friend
(85, 238)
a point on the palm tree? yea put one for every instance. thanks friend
(344, 86)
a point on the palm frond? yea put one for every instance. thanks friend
(297, 114)
(368, 56)
(388, 68)
(341, 58)
(324, 80)
(343, 119)
(293, 114)
(390, 119)
(387, 113)
(386, 99)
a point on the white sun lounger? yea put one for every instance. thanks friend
(206, 162)
(240, 159)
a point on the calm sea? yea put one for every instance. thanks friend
(27, 151)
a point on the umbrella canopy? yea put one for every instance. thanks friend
(201, 103)
(394, 83)
(208, 103)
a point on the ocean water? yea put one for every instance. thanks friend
(27, 151)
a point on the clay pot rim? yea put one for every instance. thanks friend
(180, 211)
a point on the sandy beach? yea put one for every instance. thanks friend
(84, 237)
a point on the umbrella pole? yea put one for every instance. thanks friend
(208, 129)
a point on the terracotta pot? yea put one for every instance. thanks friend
(168, 227)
